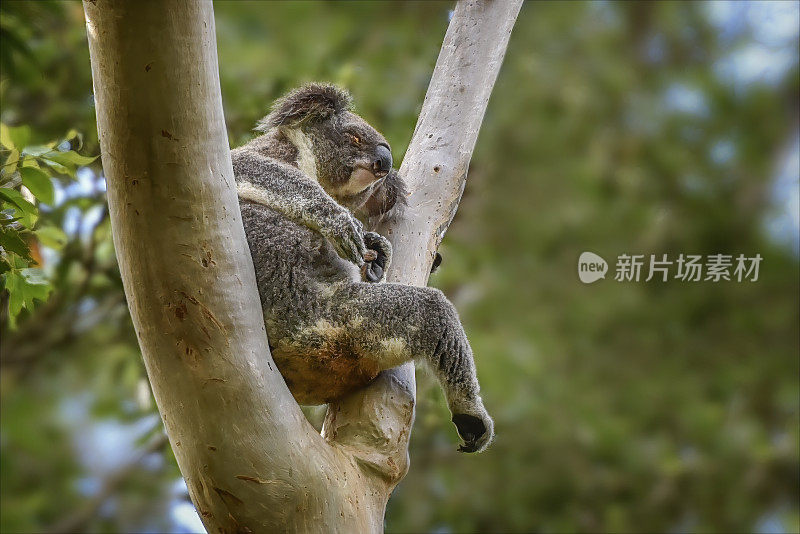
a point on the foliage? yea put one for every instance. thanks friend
(614, 127)
(31, 166)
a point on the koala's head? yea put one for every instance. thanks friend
(339, 149)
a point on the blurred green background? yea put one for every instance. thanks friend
(618, 128)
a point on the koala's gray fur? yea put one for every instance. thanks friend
(330, 330)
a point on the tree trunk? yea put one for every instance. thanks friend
(251, 460)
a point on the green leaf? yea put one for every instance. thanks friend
(24, 209)
(14, 197)
(35, 276)
(7, 220)
(39, 183)
(52, 236)
(10, 165)
(11, 241)
(18, 263)
(5, 137)
(70, 157)
(25, 286)
(29, 161)
(59, 168)
(38, 150)
(19, 136)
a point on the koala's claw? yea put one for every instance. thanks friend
(377, 257)
(437, 261)
(372, 273)
(347, 238)
(476, 431)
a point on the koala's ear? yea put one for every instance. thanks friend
(309, 103)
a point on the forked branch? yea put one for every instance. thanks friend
(251, 461)
(374, 424)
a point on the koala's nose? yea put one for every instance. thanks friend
(383, 161)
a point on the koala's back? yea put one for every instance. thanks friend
(299, 274)
(293, 265)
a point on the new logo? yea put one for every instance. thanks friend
(591, 267)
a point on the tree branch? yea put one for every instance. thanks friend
(374, 424)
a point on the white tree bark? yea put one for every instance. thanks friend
(435, 171)
(251, 460)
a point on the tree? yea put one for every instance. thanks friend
(250, 458)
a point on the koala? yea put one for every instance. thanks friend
(333, 323)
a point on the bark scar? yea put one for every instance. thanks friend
(256, 479)
(225, 494)
(204, 309)
(165, 133)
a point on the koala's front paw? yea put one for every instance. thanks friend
(347, 237)
(377, 258)
(476, 429)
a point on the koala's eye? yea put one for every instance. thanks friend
(354, 138)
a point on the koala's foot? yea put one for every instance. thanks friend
(437, 261)
(476, 429)
(377, 257)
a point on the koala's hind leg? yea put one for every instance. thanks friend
(401, 323)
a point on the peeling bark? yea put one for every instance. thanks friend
(251, 460)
